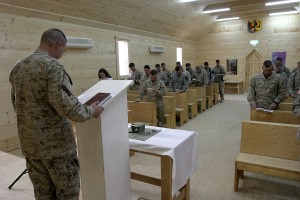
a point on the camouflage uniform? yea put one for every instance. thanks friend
(156, 97)
(209, 75)
(264, 91)
(144, 79)
(178, 82)
(296, 111)
(136, 77)
(201, 78)
(187, 76)
(285, 78)
(168, 74)
(294, 84)
(162, 76)
(191, 71)
(287, 71)
(43, 100)
(219, 73)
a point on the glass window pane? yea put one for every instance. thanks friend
(179, 54)
(123, 58)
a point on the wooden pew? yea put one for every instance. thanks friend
(192, 100)
(181, 106)
(278, 116)
(133, 92)
(285, 106)
(144, 112)
(216, 95)
(268, 148)
(209, 96)
(132, 97)
(170, 111)
(201, 93)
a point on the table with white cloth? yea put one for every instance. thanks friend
(177, 151)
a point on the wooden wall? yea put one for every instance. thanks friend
(230, 40)
(20, 35)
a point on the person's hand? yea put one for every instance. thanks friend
(273, 106)
(97, 109)
(138, 100)
(253, 106)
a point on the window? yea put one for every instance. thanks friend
(179, 54)
(122, 59)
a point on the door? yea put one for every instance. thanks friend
(254, 63)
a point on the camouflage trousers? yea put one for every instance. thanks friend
(221, 89)
(160, 116)
(55, 179)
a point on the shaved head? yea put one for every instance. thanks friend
(52, 36)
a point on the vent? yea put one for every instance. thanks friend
(83, 43)
(157, 49)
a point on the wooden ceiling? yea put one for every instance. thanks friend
(164, 17)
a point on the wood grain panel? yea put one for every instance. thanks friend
(270, 139)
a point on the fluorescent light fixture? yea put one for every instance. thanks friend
(186, 1)
(281, 2)
(254, 42)
(284, 13)
(216, 10)
(227, 19)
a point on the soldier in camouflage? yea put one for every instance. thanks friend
(145, 76)
(200, 77)
(161, 75)
(294, 82)
(280, 71)
(154, 89)
(189, 69)
(136, 76)
(179, 81)
(219, 72)
(168, 73)
(266, 89)
(43, 100)
(208, 72)
(296, 110)
(285, 69)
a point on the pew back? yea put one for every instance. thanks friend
(144, 112)
(278, 116)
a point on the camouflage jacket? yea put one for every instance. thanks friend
(294, 83)
(285, 78)
(154, 92)
(287, 71)
(200, 79)
(144, 79)
(136, 77)
(43, 100)
(178, 82)
(169, 75)
(264, 91)
(162, 76)
(219, 73)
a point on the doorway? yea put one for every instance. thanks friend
(253, 66)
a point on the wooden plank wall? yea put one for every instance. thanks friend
(231, 40)
(20, 35)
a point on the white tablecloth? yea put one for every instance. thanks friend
(180, 145)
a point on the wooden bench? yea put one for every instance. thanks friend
(144, 112)
(170, 111)
(133, 92)
(216, 93)
(268, 148)
(278, 116)
(201, 93)
(132, 97)
(285, 106)
(192, 100)
(209, 96)
(181, 106)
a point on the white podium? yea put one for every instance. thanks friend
(103, 146)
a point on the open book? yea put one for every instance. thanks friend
(264, 110)
(101, 97)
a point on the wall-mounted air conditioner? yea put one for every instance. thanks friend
(83, 43)
(157, 49)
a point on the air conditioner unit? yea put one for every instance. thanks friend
(157, 49)
(83, 43)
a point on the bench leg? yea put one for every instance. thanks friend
(237, 175)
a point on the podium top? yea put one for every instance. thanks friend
(114, 87)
